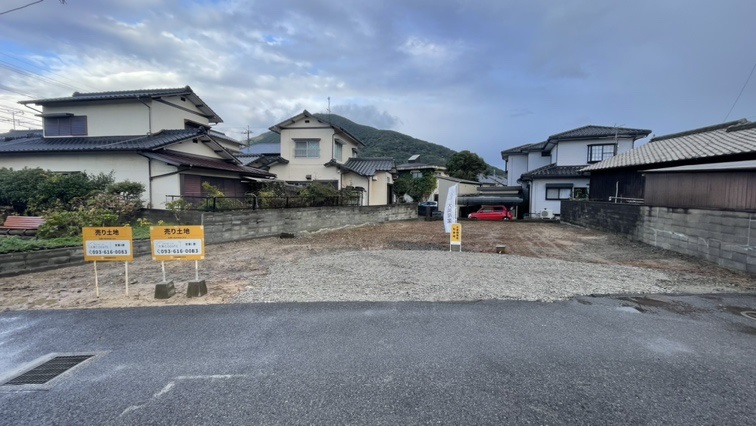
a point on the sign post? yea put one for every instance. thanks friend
(108, 244)
(455, 237)
(178, 243)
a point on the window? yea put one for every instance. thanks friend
(337, 151)
(354, 152)
(66, 126)
(416, 174)
(598, 153)
(307, 148)
(559, 191)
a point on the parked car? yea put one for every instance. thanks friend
(491, 213)
(425, 206)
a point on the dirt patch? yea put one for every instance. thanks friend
(229, 268)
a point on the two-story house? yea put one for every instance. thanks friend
(158, 137)
(549, 171)
(311, 149)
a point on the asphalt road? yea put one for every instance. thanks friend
(595, 360)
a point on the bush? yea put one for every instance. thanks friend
(69, 223)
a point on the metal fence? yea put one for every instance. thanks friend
(254, 202)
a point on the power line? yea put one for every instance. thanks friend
(10, 67)
(741, 92)
(27, 5)
(8, 89)
(46, 71)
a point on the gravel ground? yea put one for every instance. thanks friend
(398, 261)
(393, 275)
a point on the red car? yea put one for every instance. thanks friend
(491, 213)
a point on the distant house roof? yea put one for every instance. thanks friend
(306, 114)
(182, 159)
(722, 140)
(20, 134)
(452, 179)
(592, 131)
(98, 143)
(263, 148)
(155, 94)
(553, 171)
(417, 166)
(365, 166)
(220, 135)
(523, 149)
(491, 179)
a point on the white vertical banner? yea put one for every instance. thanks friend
(450, 209)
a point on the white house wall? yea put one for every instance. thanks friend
(125, 166)
(464, 189)
(574, 153)
(536, 160)
(172, 116)
(109, 119)
(538, 200)
(516, 166)
(196, 148)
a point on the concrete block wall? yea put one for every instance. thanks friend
(726, 238)
(225, 227)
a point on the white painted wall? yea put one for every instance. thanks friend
(198, 148)
(130, 117)
(169, 117)
(516, 166)
(109, 118)
(574, 153)
(125, 166)
(538, 199)
(536, 160)
(443, 190)
(299, 168)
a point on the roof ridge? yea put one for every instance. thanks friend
(121, 92)
(712, 128)
(744, 126)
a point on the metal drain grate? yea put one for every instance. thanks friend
(49, 370)
(749, 314)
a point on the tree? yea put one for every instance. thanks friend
(417, 188)
(466, 165)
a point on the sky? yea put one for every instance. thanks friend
(482, 76)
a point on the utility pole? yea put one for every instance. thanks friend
(247, 132)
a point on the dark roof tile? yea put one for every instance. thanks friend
(553, 171)
(101, 143)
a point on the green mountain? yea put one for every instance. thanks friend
(381, 143)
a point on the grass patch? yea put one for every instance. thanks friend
(17, 245)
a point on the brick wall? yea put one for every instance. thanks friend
(726, 238)
(224, 227)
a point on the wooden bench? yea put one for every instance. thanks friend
(20, 225)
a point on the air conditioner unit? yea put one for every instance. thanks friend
(547, 214)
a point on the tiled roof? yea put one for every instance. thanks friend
(261, 161)
(306, 114)
(222, 136)
(553, 171)
(180, 159)
(600, 132)
(727, 139)
(523, 149)
(132, 94)
(103, 143)
(418, 166)
(365, 166)
(368, 166)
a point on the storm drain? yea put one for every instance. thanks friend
(48, 370)
(749, 314)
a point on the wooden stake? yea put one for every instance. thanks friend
(162, 264)
(196, 270)
(126, 265)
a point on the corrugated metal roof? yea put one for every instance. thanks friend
(188, 160)
(553, 171)
(132, 94)
(103, 143)
(592, 131)
(733, 138)
(368, 166)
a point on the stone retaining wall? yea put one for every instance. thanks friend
(727, 238)
(225, 227)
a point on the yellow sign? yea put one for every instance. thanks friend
(108, 244)
(177, 242)
(456, 234)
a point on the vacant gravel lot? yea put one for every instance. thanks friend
(391, 262)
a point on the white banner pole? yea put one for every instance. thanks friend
(196, 270)
(97, 283)
(162, 264)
